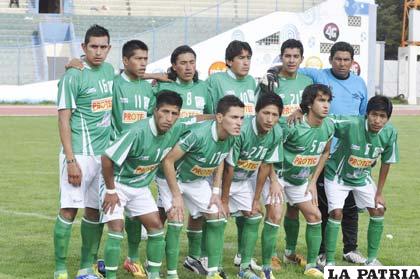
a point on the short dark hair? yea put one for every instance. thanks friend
(167, 97)
(131, 46)
(174, 56)
(96, 31)
(341, 46)
(267, 99)
(310, 93)
(235, 48)
(379, 102)
(227, 102)
(291, 43)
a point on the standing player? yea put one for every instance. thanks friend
(235, 81)
(259, 145)
(187, 167)
(306, 148)
(84, 113)
(289, 84)
(129, 165)
(361, 141)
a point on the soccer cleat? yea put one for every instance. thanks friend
(214, 276)
(267, 273)
(99, 268)
(313, 272)
(222, 273)
(88, 276)
(375, 262)
(295, 259)
(275, 263)
(253, 265)
(88, 273)
(354, 257)
(134, 269)
(153, 275)
(61, 275)
(321, 260)
(194, 265)
(247, 274)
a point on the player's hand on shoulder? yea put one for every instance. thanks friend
(295, 117)
(75, 63)
(74, 173)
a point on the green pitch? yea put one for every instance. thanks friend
(29, 204)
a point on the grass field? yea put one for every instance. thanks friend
(29, 203)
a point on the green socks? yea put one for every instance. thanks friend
(154, 250)
(91, 235)
(374, 234)
(331, 234)
(203, 241)
(112, 253)
(133, 229)
(172, 246)
(214, 235)
(268, 242)
(62, 233)
(249, 239)
(194, 243)
(239, 220)
(313, 241)
(291, 228)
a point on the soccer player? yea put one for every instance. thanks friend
(361, 141)
(129, 165)
(187, 167)
(84, 115)
(306, 148)
(258, 146)
(289, 84)
(236, 80)
(349, 98)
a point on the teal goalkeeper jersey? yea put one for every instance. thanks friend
(137, 152)
(195, 97)
(226, 83)
(88, 93)
(132, 101)
(303, 147)
(204, 152)
(252, 148)
(358, 149)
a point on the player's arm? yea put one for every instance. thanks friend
(262, 175)
(111, 198)
(364, 101)
(168, 164)
(157, 76)
(383, 173)
(73, 169)
(226, 183)
(312, 182)
(276, 189)
(216, 190)
(75, 63)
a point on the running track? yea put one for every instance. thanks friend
(19, 110)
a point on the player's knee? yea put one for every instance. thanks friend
(377, 212)
(92, 214)
(116, 225)
(292, 212)
(336, 214)
(68, 213)
(314, 216)
(274, 215)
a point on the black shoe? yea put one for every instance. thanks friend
(194, 265)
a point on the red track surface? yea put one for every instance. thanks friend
(19, 110)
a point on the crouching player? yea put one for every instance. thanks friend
(129, 165)
(361, 141)
(188, 165)
(258, 146)
(306, 149)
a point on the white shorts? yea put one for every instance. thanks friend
(196, 196)
(295, 194)
(337, 193)
(87, 194)
(241, 195)
(134, 201)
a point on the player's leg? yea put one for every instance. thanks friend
(132, 263)
(323, 208)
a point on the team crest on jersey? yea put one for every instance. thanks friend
(355, 147)
(145, 169)
(248, 165)
(362, 163)
(190, 113)
(99, 105)
(305, 160)
(199, 171)
(131, 116)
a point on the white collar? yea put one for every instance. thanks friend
(254, 125)
(152, 125)
(231, 74)
(214, 131)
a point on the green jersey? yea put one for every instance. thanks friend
(251, 149)
(137, 152)
(88, 93)
(303, 147)
(204, 152)
(195, 97)
(358, 149)
(132, 101)
(226, 83)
